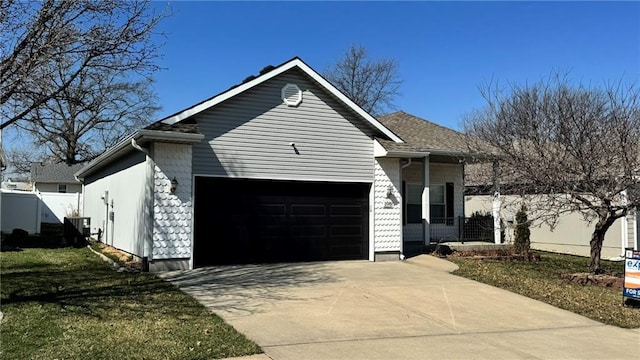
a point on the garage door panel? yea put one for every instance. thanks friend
(252, 221)
(308, 210)
(346, 210)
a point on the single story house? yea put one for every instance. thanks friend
(281, 168)
(58, 178)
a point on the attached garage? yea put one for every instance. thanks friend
(280, 168)
(255, 221)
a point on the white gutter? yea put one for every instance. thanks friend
(408, 154)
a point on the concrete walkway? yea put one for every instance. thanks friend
(394, 310)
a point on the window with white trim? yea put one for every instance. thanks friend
(441, 203)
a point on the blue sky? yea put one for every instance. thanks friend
(445, 49)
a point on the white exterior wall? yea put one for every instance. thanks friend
(388, 209)
(129, 185)
(571, 235)
(172, 213)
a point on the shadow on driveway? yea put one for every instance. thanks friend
(243, 289)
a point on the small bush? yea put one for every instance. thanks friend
(522, 242)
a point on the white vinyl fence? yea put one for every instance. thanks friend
(27, 210)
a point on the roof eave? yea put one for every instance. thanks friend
(406, 154)
(463, 154)
(139, 137)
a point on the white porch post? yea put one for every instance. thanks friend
(497, 203)
(426, 211)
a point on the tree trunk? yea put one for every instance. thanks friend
(596, 248)
(597, 238)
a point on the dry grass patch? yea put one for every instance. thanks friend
(541, 280)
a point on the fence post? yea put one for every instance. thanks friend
(496, 218)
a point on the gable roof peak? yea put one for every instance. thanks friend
(295, 62)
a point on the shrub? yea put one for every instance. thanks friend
(522, 242)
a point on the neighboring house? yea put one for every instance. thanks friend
(572, 232)
(55, 177)
(283, 167)
(52, 195)
(9, 184)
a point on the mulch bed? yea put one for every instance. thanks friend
(127, 260)
(495, 255)
(611, 281)
(603, 280)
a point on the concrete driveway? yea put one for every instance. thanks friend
(394, 310)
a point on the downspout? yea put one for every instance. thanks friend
(138, 147)
(145, 251)
(405, 165)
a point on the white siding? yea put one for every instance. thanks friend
(388, 209)
(571, 235)
(129, 184)
(172, 212)
(250, 136)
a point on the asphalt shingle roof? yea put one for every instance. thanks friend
(58, 173)
(188, 126)
(421, 135)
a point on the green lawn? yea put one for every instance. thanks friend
(541, 281)
(67, 303)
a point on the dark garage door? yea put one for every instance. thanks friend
(256, 221)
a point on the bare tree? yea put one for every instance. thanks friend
(40, 38)
(372, 84)
(20, 160)
(577, 145)
(90, 115)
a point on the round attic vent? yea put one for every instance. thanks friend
(291, 95)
